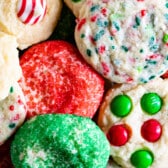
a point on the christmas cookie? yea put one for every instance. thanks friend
(134, 119)
(126, 41)
(31, 21)
(10, 71)
(57, 79)
(12, 112)
(60, 140)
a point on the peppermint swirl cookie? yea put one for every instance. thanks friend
(134, 119)
(125, 41)
(12, 112)
(60, 140)
(31, 21)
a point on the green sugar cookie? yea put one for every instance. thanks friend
(59, 141)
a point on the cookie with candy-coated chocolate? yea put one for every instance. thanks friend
(31, 21)
(57, 79)
(12, 112)
(60, 140)
(121, 39)
(134, 119)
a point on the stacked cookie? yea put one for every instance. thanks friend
(127, 43)
(48, 77)
(16, 31)
(12, 102)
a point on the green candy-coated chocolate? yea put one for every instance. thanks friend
(142, 159)
(121, 105)
(151, 103)
(165, 38)
(60, 141)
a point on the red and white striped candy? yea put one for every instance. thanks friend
(31, 11)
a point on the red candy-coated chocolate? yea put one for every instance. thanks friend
(118, 135)
(58, 80)
(151, 130)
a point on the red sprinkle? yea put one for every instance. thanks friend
(11, 107)
(118, 135)
(92, 40)
(104, 11)
(143, 12)
(16, 117)
(151, 130)
(165, 75)
(81, 23)
(102, 49)
(106, 69)
(93, 18)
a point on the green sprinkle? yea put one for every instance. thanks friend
(154, 48)
(146, 66)
(111, 38)
(166, 16)
(138, 21)
(113, 47)
(116, 16)
(106, 24)
(125, 48)
(89, 52)
(151, 40)
(82, 35)
(141, 50)
(151, 62)
(11, 89)
(99, 35)
(12, 125)
(165, 38)
(93, 8)
(116, 26)
(152, 77)
(166, 5)
(142, 80)
(139, 69)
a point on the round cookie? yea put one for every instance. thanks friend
(12, 112)
(57, 79)
(134, 119)
(31, 21)
(126, 41)
(60, 140)
(10, 71)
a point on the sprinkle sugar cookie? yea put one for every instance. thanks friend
(126, 41)
(134, 119)
(12, 112)
(60, 140)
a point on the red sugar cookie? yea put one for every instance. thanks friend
(57, 80)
